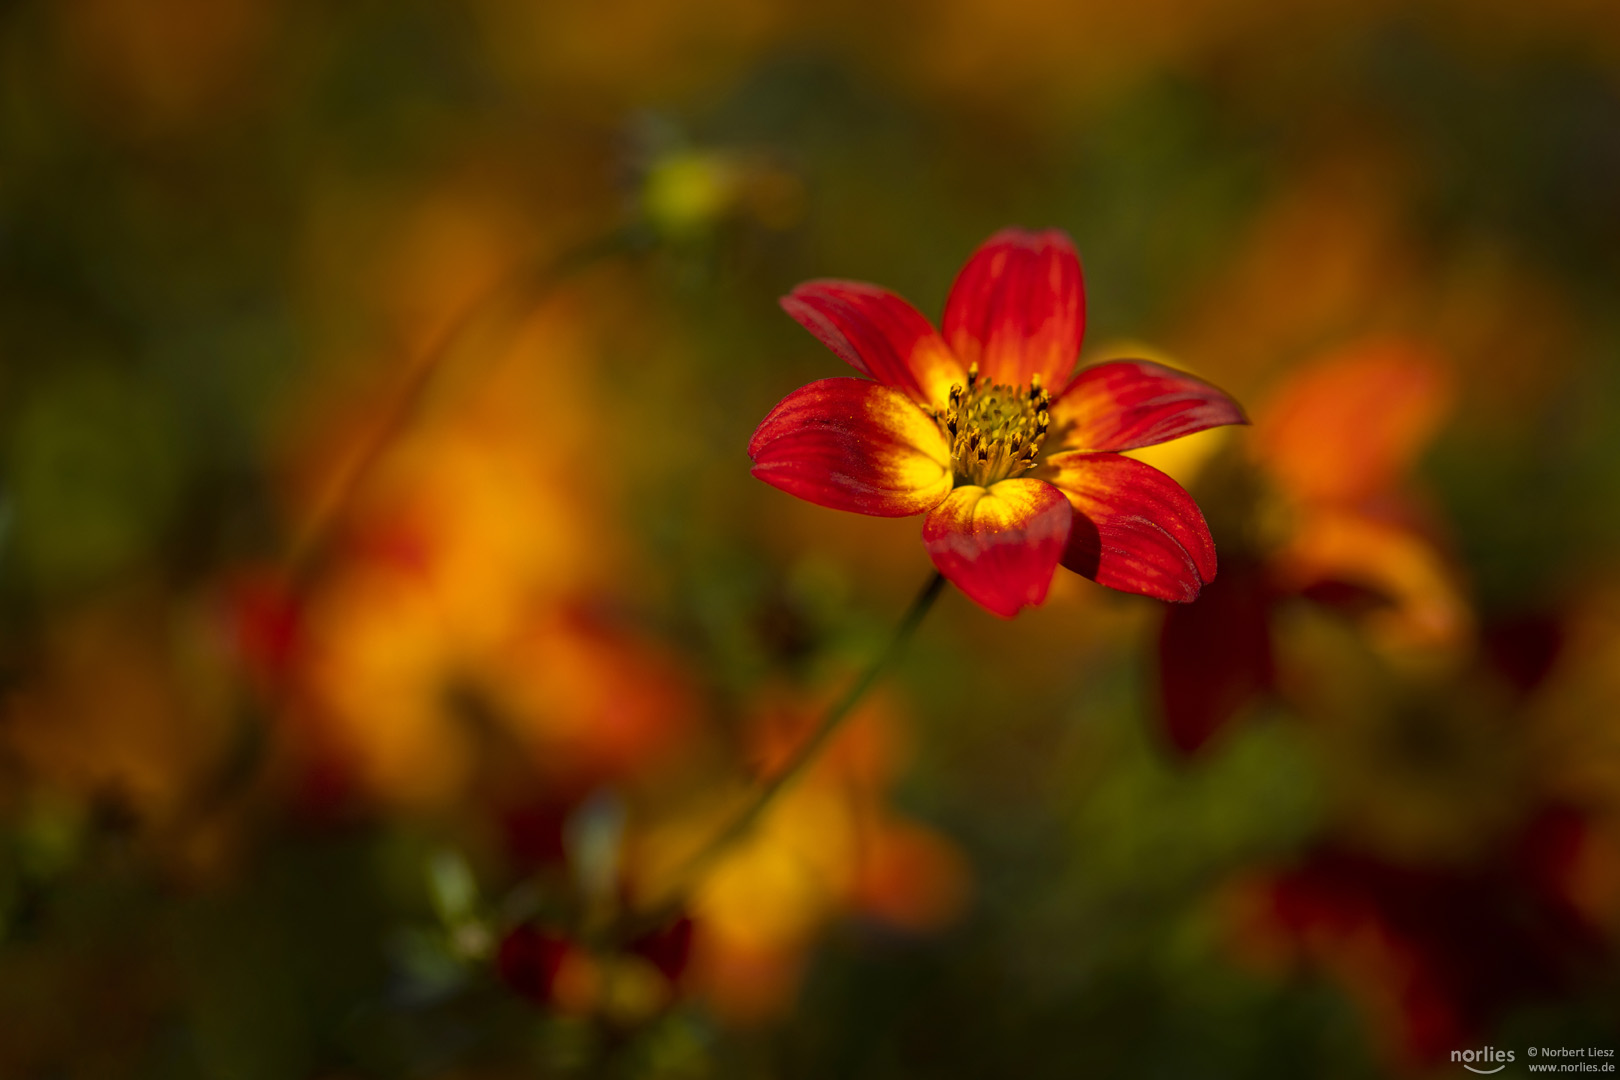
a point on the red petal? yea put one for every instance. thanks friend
(1000, 545)
(669, 948)
(1018, 307)
(1214, 657)
(853, 445)
(1134, 529)
(1124, 404)
(1525, 649)
(528, 961)
(1421, 602)
(879, 334)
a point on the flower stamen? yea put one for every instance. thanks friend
(995, 431)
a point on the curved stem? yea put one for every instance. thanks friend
(522, 290)
(688, 875)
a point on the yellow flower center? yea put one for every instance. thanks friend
(995, 431)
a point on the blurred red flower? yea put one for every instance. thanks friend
(1434, 955)
(982, 428)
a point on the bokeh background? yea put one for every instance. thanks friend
(387, 604)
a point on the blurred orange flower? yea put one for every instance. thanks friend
(123, 709)
(153, 66)
(1333, 526)
(461, 620)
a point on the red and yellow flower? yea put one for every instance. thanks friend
(981, 427)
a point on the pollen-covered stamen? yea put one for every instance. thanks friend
(995, 431)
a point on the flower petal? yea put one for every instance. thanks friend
(1347, 428)
(1124, 404)
(853, 445)
(879, 334)
(1215, 656)
(1418, 601)
(1018, 307)
(1134, 528)
(1000, 545)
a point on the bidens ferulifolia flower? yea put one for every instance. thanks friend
(982, 428)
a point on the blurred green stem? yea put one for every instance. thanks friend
(688, 875)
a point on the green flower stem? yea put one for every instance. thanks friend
(695, 867)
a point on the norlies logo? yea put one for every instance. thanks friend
(1487, 1056)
